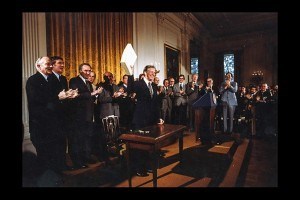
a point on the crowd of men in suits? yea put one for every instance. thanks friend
(63, 114)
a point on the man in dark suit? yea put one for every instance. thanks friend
(59, 83)
(147, 108)
(44, 129)
(171, 88)
(207, 136)
(82, 117)
(126, 103)
(192, 93)
(146, 112)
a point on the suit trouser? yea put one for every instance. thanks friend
(231, 110)
(181, 114)
(48, 155)
(80, 142)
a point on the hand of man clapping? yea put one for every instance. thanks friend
(227, 84)
(70, 94)
(97, 91)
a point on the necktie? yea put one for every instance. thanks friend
(150, 89)
(180, 86)
(88, 85)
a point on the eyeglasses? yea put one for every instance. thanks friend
(209, 81)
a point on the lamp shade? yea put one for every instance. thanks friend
(128, 58)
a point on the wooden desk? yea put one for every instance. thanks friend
(152, 142)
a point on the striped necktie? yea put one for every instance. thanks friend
(88, 85)
(150, 89)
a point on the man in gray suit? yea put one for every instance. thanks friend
(180, 101)
(229, 102)
(166, 102)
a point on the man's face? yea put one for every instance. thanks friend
(125, 80)
(150, 74)
(181, 79)
(166, 84)
(228, 77)
(45, 66)
(85, 71)
(264, 87)
(252, 90)
(195, 78)
(172, 81)
(58, 67)
(209, 82)
(108, 77)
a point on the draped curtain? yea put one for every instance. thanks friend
(95, 38)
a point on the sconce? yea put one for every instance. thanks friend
(257, 77)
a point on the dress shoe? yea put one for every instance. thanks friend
(142, 173)
(83, 166)
(216, 142)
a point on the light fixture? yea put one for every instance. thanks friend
(128, 59)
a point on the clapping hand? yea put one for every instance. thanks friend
(62, 95)
(227, 84)
(117, 94)
(97, 91)
(70, 94)
(73, 93)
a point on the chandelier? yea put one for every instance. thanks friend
(257, 77)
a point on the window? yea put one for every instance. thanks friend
(229, 64)
(194, 65)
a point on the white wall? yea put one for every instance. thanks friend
(33, 47)
(153, 30)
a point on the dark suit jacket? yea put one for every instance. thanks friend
(147, 109)
(204, 90)
(83, 105)
(58, 85)
(42, 103)
(62, 107)
(192, 93)
(107, 104)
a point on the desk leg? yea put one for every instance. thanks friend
(155, 156)
(180, 146)
(128, 164)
